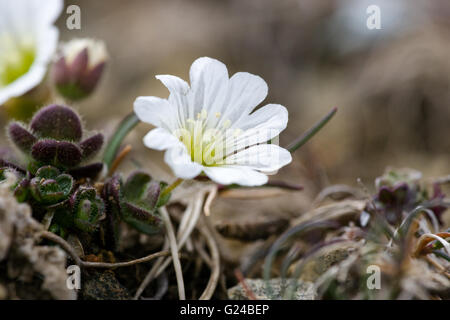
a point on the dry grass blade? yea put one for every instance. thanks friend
(188, 223)
(174, 250)
(203, 255)
(429, 237)
(251, 193)
(86, 264)
(337, 192)
(211, 196)
(241, 279)
(118, 160)
(215, 261)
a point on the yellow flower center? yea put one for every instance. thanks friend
(16, 58)
(205, 144)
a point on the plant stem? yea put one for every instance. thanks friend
(124, 127)
(442, 255)
(86, 264)
(300, 141)
(215, 259)
(118, 160)
(171, 187)
(174, 251)
(47, 220)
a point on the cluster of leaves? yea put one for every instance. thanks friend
(56, 179)
(399, 192)
(135, 201)
(393, 232)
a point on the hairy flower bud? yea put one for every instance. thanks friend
(79, 68)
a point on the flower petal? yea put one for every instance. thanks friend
(235, 174)
(261, 126)
(156, 111)
(263, 157)
(47, 11)
(178, 89)
(160, 139)
(174, 84)
(24, 19)
(246, 91)
(209, 86)
(273, 116)
(180, 163)
(47, 46)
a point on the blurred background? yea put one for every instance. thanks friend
(391, 85)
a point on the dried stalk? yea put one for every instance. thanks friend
(215, 273)
(428, 237)
(211, 196)
(118, 160)
(174, 249)
(203, 255)
(247, 290)
(187, 224)
(150, 275)
(47, 220)
(86, 264)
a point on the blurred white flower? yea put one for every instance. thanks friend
(28, 40)
(209, 126)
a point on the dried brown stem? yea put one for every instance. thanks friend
(118, 160)
(248, 291)
(86, 264)
(174, 251)
(215, 272)
(426, 240)
(203, 255)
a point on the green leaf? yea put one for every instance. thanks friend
(141, 219)
(136, 185)
(305, 137)
(113, 145)
(47, 172)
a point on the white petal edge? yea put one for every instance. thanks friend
(46, 47)
(178, 89)
(173, 83)
(235, 174)
(156, 111)
(259, 127)
(48, 10)
(246, 92)
(47, 14)
(209, 86)
(263, 157)
(273, 116)
(160, 139)
(180, 162)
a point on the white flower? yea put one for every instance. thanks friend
(209, 126)
(28, 40)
